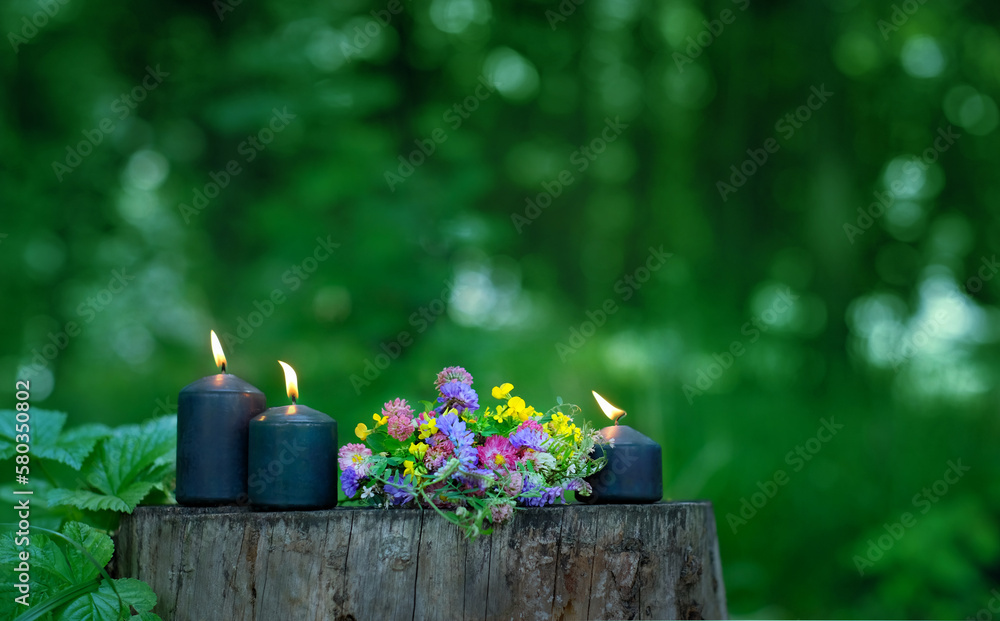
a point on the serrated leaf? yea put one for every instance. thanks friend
(44, 425)
(126, 467)
(124, 501)
(136, 594)
(108, 605)
(47, 438)
(74, 445)
(40, 581)
(94, 607)
(48, 558)
(99, 549)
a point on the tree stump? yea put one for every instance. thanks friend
(658, 561)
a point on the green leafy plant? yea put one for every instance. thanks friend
(83, 478)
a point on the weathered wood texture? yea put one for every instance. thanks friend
(656, 561)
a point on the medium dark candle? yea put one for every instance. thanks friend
(213, 416)
(634, 472)
(293, 456)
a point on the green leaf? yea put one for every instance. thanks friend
(111, 602)
(73, 446)
(126, 467)
(124, 501)
(44, 427)
(43, 609)
(40, 582)
(99, 606)
(49, 563)
(377, 442)
(59, 574)
(99, 549)
(134, 593)
(48, 441)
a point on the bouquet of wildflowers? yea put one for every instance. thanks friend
(469, 465)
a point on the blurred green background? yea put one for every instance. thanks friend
(417, 134)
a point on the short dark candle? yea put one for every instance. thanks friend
(293, 459)
(213, 415)
(634, 472)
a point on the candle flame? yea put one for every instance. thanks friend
(609, 410)
(291, 381)
(220, 356)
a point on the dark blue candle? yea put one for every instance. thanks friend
(634, 472)
(293, 456)
(213, 415)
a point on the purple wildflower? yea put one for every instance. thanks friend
(452, 374)
(349, 481)
(454, 429)
(478, 479)
(547, 495)
(458, 396)
(527, 437)
(400, 490)
(579, 486)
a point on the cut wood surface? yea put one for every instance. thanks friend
(658, 561)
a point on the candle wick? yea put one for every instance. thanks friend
(223, 367)
(293, 400)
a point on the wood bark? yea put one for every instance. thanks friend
(658, 561)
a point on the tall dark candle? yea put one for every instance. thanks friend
(213, 417)
(634, 472)
(293, 456)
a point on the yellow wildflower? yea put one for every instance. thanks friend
(526, 413)
(418, 449)
(362, 431)
(501, 413)
(428, 428)
(562, 425)
(502, 391)
(380, 420)
(408, 468)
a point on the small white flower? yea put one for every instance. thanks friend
(545, 461)
(611, 443)
(570, 470)
(368, 491)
